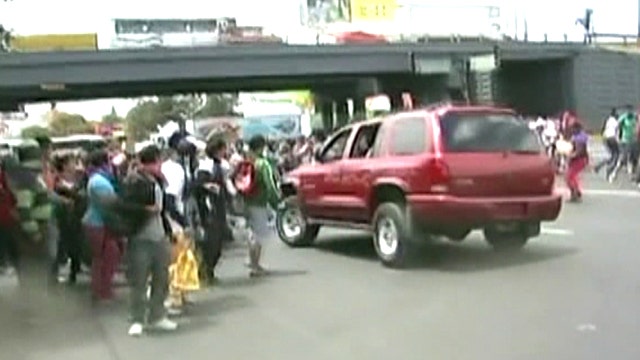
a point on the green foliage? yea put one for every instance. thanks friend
(112, 118)
(216, 105)
(33, 132)
(145, 117)
(63, 124)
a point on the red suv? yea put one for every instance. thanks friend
(444, 170)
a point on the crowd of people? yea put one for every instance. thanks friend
(566, 142)
(621, 136)
(109, 210)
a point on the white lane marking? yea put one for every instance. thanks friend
(558, 232)
(586, 328)
(605, 192)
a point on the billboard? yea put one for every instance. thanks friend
(373, 10)
(54, 42)
(335, 11)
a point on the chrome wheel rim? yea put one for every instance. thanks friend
(387, 237)
(292, 223)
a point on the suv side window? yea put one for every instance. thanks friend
(363, 143)
(335, 148)
(377, 147)
(408, 136)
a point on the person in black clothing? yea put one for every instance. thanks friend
(213, 199)
(68, 215)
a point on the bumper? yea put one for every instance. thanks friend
(440, 210)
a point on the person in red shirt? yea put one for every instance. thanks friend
(8, 223)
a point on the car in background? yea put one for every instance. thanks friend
(441, 171)
(85, 143)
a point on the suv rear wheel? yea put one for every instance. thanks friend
(292, 226)
(501, 240)
(391, 234)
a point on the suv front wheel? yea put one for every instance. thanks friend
(292, 226)
(391, 234)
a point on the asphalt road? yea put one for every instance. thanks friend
(573, 293)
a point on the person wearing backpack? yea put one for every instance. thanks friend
(255, 181)
(149, 243)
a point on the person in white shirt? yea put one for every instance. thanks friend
(549, 135)
(610, 131)
(176, 177)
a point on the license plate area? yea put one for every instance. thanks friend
(510, 211)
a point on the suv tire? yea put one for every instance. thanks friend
(506, 241)
(391, 234)
(285, 215)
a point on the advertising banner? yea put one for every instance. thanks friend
(55, 42)
(373, 10)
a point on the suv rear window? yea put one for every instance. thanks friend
(487, 133)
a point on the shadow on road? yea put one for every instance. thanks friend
(205, 311)
(35, 323)
(448, 256)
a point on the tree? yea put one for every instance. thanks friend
(144, 119)
(113, 117)
(63, 124)
(148, 114)
(33, 132)
(216, 105)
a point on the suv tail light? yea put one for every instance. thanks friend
(439, 176)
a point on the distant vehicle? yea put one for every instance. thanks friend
(22, 150)
(79, 142)
(445, 171)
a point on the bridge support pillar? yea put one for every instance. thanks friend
(359, 108)
(326, 111)
(342, 112)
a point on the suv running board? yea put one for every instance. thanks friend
(341, 224)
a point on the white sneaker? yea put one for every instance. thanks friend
(164, 324)
(174, 311)
(136, 330)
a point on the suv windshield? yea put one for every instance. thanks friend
(487, 133)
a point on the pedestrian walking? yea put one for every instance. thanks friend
(255, 181)
(578, 160)
(105, 245)
(610, 137)
(214, 198)
(149, 248)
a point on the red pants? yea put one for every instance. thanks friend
(105, 257)
(574, 169)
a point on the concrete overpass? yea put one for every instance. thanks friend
(428, 70)
(73, 75)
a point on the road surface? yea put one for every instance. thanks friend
(573, 293)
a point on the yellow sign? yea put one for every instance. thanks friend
(55, 42)
(373, 10)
